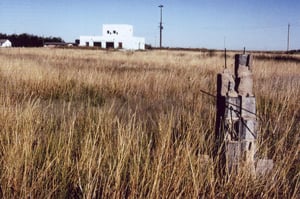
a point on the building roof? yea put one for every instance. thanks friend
(3, 40)
(56, 43)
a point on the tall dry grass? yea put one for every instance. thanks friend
(109, 124)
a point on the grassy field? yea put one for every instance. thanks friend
(112, 124)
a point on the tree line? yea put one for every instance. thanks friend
(28, 40)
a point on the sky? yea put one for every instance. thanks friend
(213, 24)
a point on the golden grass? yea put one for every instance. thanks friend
(109, 124)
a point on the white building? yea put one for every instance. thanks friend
(5, 43)
(115, 36)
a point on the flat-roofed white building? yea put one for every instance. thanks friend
(119, 36)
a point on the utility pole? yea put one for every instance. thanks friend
(160, 26)
(288, 38)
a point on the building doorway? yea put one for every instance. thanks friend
(110, 45)
(97, 44)
(120, 45)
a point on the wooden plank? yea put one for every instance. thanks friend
(242, 60)
(248, 105)
(264, 166)
(247, 130)
(232, 108)
(227, 84)
(232, 156)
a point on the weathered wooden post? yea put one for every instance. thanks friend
(247, 119)
(236, 124)
(236, 116)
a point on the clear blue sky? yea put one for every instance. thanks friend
(256, 24)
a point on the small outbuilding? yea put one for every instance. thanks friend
(117, 36)
(55, 44)
(4, 43)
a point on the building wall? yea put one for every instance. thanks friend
(120, 35)
(129, 43)
(89, 40)
(135, 43)
(117, 30)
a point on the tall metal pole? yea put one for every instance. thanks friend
(160, 26)
(288, 38)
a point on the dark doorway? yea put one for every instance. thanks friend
(97, 44)
(110, 45)
(120, 46)
(87, 44)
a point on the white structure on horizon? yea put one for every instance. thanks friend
(4, 43)
(119, 36)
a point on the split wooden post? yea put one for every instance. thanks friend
(237, 119)
(236, 124)
(247, 121)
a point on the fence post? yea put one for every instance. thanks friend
(236, 116)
